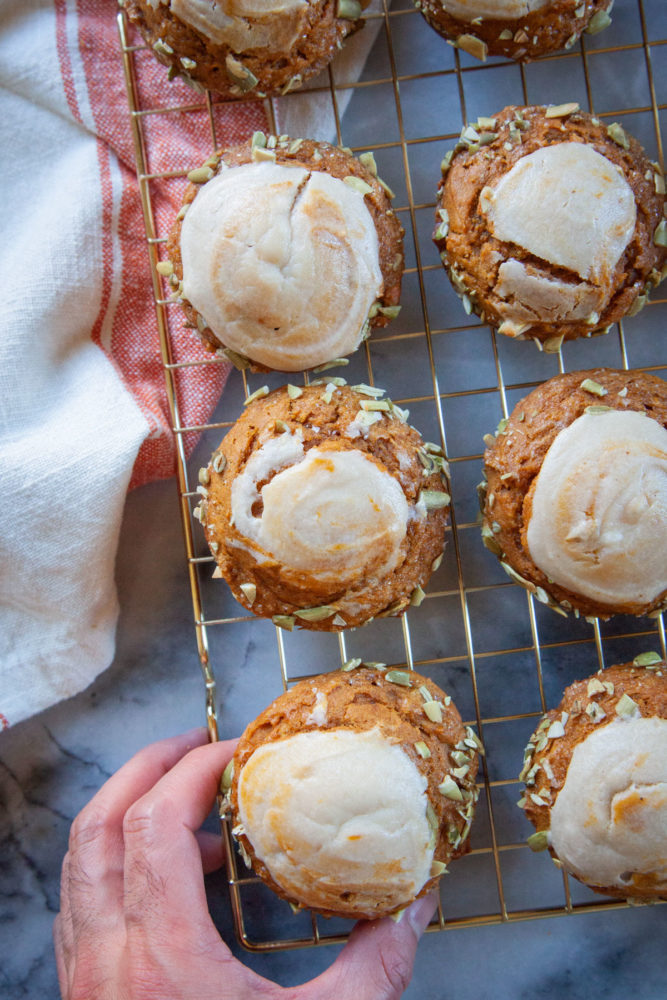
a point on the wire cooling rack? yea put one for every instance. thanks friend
(503, 657)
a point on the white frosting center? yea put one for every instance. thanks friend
(610, 818)
(283, 264)
(244, 24)
(599, 509)
(334, 514)
(566, 204)
(494, 10)
(338, 809)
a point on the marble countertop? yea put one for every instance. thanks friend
(51, 765)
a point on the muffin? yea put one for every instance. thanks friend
(286, 252)
(550, 223)
(596, 780)
(246, 47)
(323, 508)
(352, 792)
(517, 29)
(575, 498)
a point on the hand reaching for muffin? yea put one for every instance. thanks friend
(133, 905)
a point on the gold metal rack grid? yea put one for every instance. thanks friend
(504, 657)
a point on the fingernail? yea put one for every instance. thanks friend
(420, 913)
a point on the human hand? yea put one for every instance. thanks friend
(134, 923)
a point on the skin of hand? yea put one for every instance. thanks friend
(134, 923)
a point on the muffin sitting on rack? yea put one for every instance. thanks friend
(575, 499)
(353, 791)
(323, 508)
(286, 252)
(517, 29)
(550, 223)
(248, 47)
(596, 780)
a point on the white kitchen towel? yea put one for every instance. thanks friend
(83, 408)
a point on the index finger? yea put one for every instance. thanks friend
(164, 884)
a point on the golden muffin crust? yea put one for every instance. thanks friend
(321, 415)
(557, 26)
(410, 711)
(473, 256)
(514, 457)
(313, 156)
(638, 687)
(264, 71)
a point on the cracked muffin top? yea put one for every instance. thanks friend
(256, 48)
(286, 252)
(550, 223)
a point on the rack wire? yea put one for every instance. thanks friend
(503, 657)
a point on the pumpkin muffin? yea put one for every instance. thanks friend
(286, 252)
(323, 508)
(352, 792)
(575, 498)
(517, 29)
(596, 780)
(550, 223)
(248, 47)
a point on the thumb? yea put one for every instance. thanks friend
(377, 961)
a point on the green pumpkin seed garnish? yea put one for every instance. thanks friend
(626, 708)
(250, 591)
(647, 660)
(357, 184)
(200, 175)
(588, 385)
(349, 10)
(422, 750)
(438, 868)
(293, 391)
(433, 710)
(538, 841)
(257, 394)
(434, 499)
(618, 135)
(595, 712)
(284, 621)
(368, 161)
(660, 235)
(400, 677)
(598, 22)
(561, 110)
(473, 46)
(450, 789)
(315, 614)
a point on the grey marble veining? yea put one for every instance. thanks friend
(51, 765)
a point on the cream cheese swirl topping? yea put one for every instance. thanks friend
(598, 509)
(339, 807)
(282, 263)
(609, 820)
(494, 10)
(569, 207)
(337, 515)
(245, 24)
